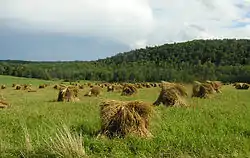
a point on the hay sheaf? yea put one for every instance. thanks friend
(241, 86)
(138, 85)
(120, 118)
(56, 86)
(18, 87)
(148, 85)
(129, 89)
(217, 85)
(101, 85)
(118, 88)
(26, 86)
(171, 94)
(179, 88)
(3, 86)
(80, 86)
(154, 84)
(42, 86)
(4, 104)
(202, 90)
(94, 91)
(112, 88)
(23, 87)
(68, 94)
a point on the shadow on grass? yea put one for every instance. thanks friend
(41, 153)
(85, 130)
(52, 101)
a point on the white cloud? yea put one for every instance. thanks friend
(185, 20)
(133, 22)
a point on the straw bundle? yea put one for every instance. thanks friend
(120, 118)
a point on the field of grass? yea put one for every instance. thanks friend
(216, 127)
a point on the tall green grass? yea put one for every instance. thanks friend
(33, 126)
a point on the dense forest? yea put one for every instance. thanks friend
(227, 60)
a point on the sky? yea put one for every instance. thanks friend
(46, 30)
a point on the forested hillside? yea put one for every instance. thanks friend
(227, 60)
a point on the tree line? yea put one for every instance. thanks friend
(227, 60)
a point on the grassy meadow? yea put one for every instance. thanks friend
(215, 127)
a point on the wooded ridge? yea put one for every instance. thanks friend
(227, 60)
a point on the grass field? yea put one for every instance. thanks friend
(216, 127)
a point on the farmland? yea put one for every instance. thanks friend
(214, 127)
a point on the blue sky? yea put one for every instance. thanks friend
(49, 46)
(90, 30)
